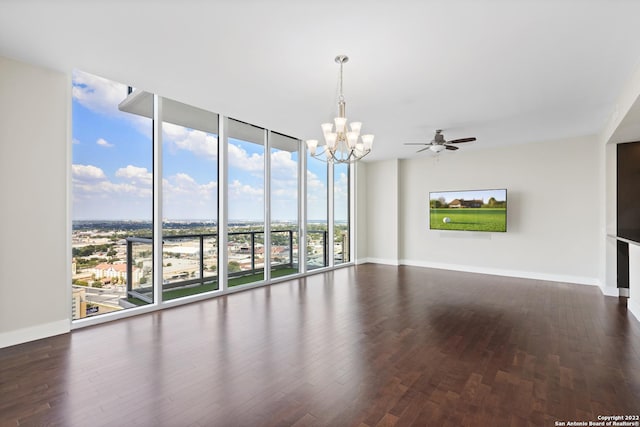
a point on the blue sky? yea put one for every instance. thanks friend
(112, 167)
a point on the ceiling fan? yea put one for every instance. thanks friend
(438, 143)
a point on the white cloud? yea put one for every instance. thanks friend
(316, 197)
(245, 202)
(104, 143)
(102, 96)
(173, 132)
(97, 197)
(182, 183)
(200, 143)
(184, 197)
(314, 183)
(98, 94)
(90, 182)
(284, 178)
(87, 173)
(283, 165)
(240, 190)
(341, 186)
(240, 159)
(136, 175)
(184, 180)
(341, 197)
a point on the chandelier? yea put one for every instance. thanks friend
(341, 144)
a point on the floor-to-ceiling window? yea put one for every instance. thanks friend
(189, 200)
(284, 204)
(246, 227)
(112, 200)
(139, 157)
(317, 214)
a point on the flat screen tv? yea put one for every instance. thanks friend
(471, 210)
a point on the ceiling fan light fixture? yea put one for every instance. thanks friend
(439, 144)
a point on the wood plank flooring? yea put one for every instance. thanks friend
(370, 345)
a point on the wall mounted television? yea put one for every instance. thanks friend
(470, 210)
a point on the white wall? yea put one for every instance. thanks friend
(34, 296)
(554, 210)
(382, 211)
(360, 228)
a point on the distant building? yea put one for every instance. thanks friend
(112, 271)
(78, 303)
(462, 203)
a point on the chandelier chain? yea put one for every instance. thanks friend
(341, 96)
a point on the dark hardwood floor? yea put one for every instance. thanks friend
(364, 346)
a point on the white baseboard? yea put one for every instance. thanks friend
(591, 281)
(609, 291)
(383, 261)
(361, 261)
(634, 308)
(562, 278)
(33, 333)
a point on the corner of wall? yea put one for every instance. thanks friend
(629, 95)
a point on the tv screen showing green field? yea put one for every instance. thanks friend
(474, 210)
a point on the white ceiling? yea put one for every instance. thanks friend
(505, 71)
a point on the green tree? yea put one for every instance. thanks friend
(234, 267)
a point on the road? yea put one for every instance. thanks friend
(104, 296)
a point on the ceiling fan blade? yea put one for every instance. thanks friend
(451, 147)
(458, 141)
(417, 143)
(422, 149)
